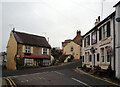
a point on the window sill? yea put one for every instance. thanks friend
(104, 39)
(104, 64)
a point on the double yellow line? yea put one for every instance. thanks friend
(98, 77)
(11, 82)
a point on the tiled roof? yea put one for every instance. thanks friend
(30, 39)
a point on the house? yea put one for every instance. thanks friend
(66, 42)
(98, 44)
(74, 46)
(33, 49)
(117, 40)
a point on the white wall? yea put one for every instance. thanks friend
(118, 43)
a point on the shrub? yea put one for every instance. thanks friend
(84, 66)
(98, 67)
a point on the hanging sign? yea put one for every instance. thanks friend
(109, 48)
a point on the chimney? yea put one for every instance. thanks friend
(97, 21)
(99, 18)
(78, 33)
(13, 30)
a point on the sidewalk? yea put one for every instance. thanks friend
(109, 80)
(4, 83)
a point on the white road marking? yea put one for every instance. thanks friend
(80, 82)
(28, 74)
(58, 73)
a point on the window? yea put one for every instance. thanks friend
(105, 31)
(28, 62)
(73, 54)
(27, 49)
(85, 42)
(108, 29)
(71, 48)
(98, 57)
(44, 51)
(90, 58)
(83, 59)
(108, 57)
(100, 33)
(94, 37)
(102, 54)
(88, 40)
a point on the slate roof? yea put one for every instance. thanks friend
(116, 4)
(30, 39)
(95, 27)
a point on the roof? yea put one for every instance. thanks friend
(37, 57)
(30, 39)
(116, 4)
(95, 28)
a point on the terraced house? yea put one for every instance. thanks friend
(33, 49)
(98, 42)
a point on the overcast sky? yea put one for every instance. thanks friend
(56, 19)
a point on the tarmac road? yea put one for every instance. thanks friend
(65, 75)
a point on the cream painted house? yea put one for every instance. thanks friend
(100, 38)
(33, 49)
(74, 47)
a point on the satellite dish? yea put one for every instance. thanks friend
(118, 19)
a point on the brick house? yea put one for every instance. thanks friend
(33, 49)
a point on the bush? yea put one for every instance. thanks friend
(98, 68)
(84, 66)
(19, 62)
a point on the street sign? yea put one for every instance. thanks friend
(118, 19)
(109, 48)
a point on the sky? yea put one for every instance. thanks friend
(57, 20)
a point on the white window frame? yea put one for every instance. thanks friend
(47, 51)
(94, 37)
(105, 31)
(28, 62)
(102, 55)
(44, 51)
(27, 49)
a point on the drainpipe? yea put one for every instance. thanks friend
(114, 43)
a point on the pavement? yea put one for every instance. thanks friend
(64, 75)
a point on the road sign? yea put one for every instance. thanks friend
(109, 48)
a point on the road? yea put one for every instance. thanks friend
(56, 75)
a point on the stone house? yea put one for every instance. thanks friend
(33, 49)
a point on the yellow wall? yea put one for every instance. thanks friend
(76, 49)
(35, 51)
(11, 52)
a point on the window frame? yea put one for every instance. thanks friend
(92, 40)
(102, 55)
(27, 49)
